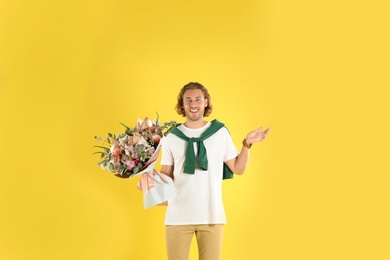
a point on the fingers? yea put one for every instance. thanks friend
(147, 180)
(143, 184)
(150, 182)
(151, 173)
(257, 130)
(257, 135)
(260, 129)
(162, 177)
(264, 134)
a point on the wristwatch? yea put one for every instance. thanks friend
(244, 143)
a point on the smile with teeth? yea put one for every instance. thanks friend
(194, 110)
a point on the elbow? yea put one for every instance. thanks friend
(236, 166)
(239, 171)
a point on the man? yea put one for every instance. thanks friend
(198, 173)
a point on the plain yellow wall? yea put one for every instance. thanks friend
(316, 72)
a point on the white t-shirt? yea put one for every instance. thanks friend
(199, 195)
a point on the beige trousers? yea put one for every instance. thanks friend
(209, 239)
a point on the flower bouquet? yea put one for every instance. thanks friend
(132, 152)
(135, 152)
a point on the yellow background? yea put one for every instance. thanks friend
(316, 72)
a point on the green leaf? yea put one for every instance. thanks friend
(102, 162)
(125, 126)
(170, 125)
(136, 169)
(111, 166)
(157, 118)
(105, 148)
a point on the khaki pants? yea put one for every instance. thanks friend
(209, 238)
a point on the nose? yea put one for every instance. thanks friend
(192, 102)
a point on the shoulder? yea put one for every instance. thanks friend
(224, 131)
(170, 139)
(221, 134)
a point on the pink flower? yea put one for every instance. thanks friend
(129, 151)
(130, 164)
(156, 139)
(135, 138)
(134, 154)
(117, 153)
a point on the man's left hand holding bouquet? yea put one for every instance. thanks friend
(147, 182)
(135, 152)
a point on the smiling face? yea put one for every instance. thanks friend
(194, 104)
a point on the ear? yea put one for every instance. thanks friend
(206, 102)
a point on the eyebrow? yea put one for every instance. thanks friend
(194, 97)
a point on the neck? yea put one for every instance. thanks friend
(195, 124)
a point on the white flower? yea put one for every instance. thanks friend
(144, 142)
(112, 148)
(123, 140)
(104, 166)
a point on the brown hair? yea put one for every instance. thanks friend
(193, 85)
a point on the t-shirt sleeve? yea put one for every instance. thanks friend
(230, 149)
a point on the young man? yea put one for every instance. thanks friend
(195, 156)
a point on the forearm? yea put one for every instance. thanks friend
(147, 180)
(167, 170)
(239, 164)
(241, 161)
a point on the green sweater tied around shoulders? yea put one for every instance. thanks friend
(190, 159)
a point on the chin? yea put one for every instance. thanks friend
(194, 118)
